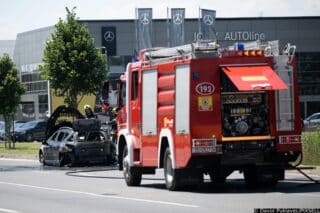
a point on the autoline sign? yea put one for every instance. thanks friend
(235, 36)
(244, 36)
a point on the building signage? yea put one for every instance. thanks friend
(109, 41)
(244, 36)
(207, 24)
(177, 27)
(144, 28)
(30, 67)
(234, 36)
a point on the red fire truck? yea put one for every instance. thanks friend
(200, 109)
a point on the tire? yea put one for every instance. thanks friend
(62, 160)
(29, 137)
(41, 158)
(250, 177)
(219, 176)
(271, 183)
(255, 178)
(131, 175)
(215, 179)
(171, 176)
(71, 160)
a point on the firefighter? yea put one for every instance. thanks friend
(88, 111)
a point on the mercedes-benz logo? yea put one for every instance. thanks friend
(108, 36)
(144, 18)
(208, 19)
(177, 19)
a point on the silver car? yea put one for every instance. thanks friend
(312, 122)
(2, 132)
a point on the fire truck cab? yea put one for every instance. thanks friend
(201, 109)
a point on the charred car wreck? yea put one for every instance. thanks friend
(73, 140)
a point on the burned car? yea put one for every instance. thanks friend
(75, 143)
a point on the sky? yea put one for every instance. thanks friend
(18, 16)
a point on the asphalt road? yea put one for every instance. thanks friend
(28, 187)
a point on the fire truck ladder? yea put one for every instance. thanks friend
(203, 49)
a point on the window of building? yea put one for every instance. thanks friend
(43, 103)
(27, 109)
(36, 86)
(313, 107)
(308, 73)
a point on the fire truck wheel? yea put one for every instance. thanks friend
(131, 175)
(219, 176)
(217, 179)
(250, 177)
(257, 178)
(171, 176)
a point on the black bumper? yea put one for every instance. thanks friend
(242, 154)
(91, 154)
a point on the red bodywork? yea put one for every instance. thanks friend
(205, 120)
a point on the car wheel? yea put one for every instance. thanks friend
(29, 137)
(62, 160)
(71, 160)
(131, 175)
(41, 158)
(171, 176)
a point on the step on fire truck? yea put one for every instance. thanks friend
(200, 109)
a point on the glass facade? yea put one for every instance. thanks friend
(28, 56)
(308, 64)
(309, 73)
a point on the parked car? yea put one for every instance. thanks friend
(312, 122)
(30, 131)
(16, 125)
(2, 130)
(84, 143)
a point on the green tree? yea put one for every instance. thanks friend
(72, 63)
(10, 93)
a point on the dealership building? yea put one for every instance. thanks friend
(304, 32)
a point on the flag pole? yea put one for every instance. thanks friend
(199, 22)
(136, 27)
(168, 28)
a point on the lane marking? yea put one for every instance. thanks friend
(103, 196)
(17, 159)
(297, 194)
(8, 210)
(305, 194)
